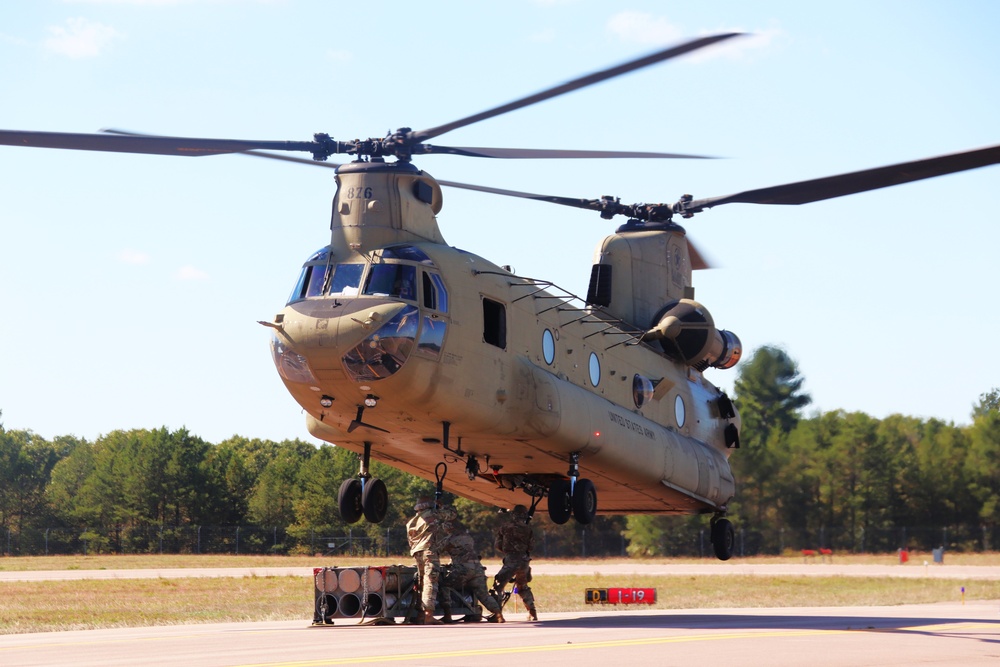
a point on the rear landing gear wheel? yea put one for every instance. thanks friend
(723, 539)
(584, 501)
(375, 500)
(349, 500)
(559, 502)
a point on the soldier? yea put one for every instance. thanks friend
(467, 570)
(426, 534)
(514, 539)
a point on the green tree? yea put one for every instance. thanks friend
(26, 463)
(768, 394)
(272, 502)
(982, 467)
(988, 402)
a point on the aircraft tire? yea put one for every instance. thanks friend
(723, 539)
(375, 500)
(559, 502)
(584, 501)
(349, 500)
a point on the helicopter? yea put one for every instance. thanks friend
(411, 352)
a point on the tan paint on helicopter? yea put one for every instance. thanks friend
(508, 407)
(649, 269)
(369, 208)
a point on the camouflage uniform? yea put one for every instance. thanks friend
(514, 539)
(467, 570)
(426, 534)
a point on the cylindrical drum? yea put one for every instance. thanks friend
(374, 604)
(350, 605)
(326, 580)
(350, 580)
(373, 579)
(326, 607)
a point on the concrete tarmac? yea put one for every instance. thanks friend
(939, 634)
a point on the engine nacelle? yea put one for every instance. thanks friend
(687, 334)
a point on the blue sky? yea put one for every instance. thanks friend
(130, 285)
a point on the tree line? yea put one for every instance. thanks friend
(845, 481)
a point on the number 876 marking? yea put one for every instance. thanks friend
(359, 193)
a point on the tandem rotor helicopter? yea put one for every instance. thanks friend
(404, 349)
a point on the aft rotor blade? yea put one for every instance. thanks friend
(575, 84)
(589, 204)
(818, 189)
(546, 154)
(122, 143)
(697, 258)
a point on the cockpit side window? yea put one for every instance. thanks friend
(316, 280)
(310, 283)
(399, 280)
(435, 295)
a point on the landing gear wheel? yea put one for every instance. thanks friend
(349, 500)
(375, 500)
(559, 502)
(723, 539)
(584, 501)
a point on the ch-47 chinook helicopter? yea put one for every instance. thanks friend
(404, 349)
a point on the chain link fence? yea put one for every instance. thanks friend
(551, 541)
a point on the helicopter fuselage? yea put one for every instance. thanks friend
(396, 342)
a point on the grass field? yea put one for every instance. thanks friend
(87, 604)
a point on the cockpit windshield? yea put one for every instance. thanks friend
(397, 277)
(392, 280)
(346, 278)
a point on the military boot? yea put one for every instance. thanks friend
(429, 619)
(447, 617)
(532, 614)
(496, 618)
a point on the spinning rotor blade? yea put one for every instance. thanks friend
(818, 189)
(154, 145)
(569, 86)
(542, 153)
(606, 206)
(401, 144)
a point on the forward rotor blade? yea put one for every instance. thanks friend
(818, 189)
(575, 84)
(543, 153)
(154, 145)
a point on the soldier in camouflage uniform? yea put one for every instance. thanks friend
(514, 539)
(427, 535)
(467, 570)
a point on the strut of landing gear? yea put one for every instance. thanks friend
(363, 495)
(573, 496)
(723, 537)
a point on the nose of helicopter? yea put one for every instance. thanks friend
(369, 340)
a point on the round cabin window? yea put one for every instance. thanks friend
(548, 346)
(642, 390)
(595, 369)
(679, 411)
